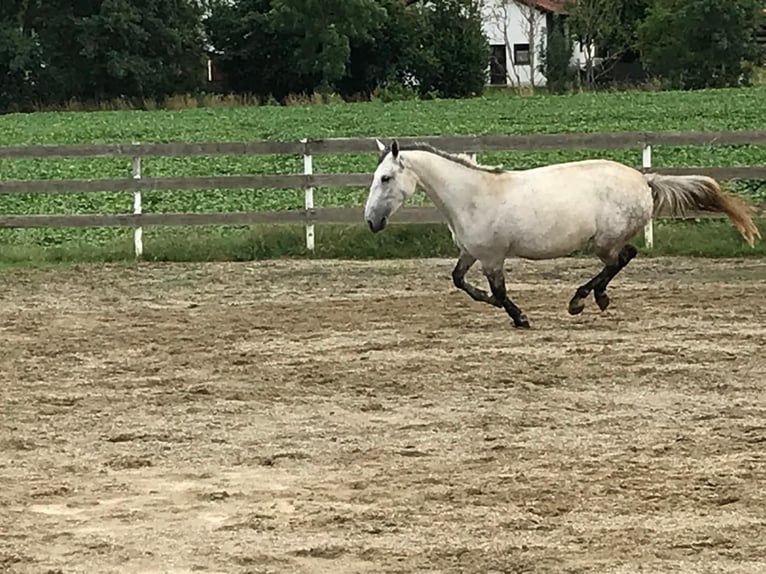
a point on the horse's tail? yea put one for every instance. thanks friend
(675, 194)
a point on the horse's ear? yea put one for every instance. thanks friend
(395, 149)
(381, 147)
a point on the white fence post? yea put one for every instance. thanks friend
(646, 162)
(308, 169)
(138, 232)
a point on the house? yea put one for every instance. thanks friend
(517, 30)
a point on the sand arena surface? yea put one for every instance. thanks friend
(334, 417)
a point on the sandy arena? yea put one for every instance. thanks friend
(334, 417)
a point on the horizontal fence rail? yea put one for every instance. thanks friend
(310, 181)
(459, 143)
(269, 181)
(331, 215)
(287, 181)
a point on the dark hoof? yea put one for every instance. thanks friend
(576, 306)
(521, 323)
(602, 300)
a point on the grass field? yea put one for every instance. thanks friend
(702, 110)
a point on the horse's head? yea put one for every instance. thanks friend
(392, 184)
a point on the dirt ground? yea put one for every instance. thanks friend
(334, 417)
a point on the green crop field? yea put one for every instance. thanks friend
(733, 109)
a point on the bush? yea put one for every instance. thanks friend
(453, 52)
(555, 61)
(280, 47)
(394, 91)
(693, 44)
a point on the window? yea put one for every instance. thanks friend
(498, 71)
(521, 54)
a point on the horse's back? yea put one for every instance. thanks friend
(583, 167)
(584, 179)
(562, 206)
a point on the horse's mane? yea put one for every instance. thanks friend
(461, 158)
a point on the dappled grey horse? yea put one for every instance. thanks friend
(540, 213)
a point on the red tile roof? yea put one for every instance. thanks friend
(557, 6)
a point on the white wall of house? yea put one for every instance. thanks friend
(506, 23)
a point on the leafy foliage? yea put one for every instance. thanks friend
(698, 110)
(19, 64)
(701, 43)
(282, 47)
(555, 59)
(59, 50)
(140, 48)
(454, 53)
(387, 58)
(325, 29)
(621, 37)
(593, 22)
(353, 47)
(253, 49)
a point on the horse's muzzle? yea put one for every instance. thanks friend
(377, 226)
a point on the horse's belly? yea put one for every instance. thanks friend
(546, 242)
(543, 252)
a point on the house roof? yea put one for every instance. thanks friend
(556, 6)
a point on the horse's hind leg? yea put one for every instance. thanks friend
(599, 291)
(496, 280)
(464, 263)
(599, 283)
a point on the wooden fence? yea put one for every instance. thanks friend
(309, 181)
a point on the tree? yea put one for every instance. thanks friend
(692, 44)
(57, 50)
(453, 51)
(279, 47)
(20, 59)
(622, 39)
(255, 54)
(54, 24)
(532, 19)
(593, 23)
(555, 58)
(325, 29)
(388, 53)
(141, 48)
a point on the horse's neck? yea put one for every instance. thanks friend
(451, 186)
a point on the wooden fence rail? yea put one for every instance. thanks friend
(310, 181)
(333, 146)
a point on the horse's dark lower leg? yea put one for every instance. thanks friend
(497, 284)
(599, 291)
(464, 263)
(600, 282)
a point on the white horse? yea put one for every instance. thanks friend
(540, 213)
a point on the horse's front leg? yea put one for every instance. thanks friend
(464, 263)
(496, 279)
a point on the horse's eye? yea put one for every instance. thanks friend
(385, 178)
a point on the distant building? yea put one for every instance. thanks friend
(517, 31)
